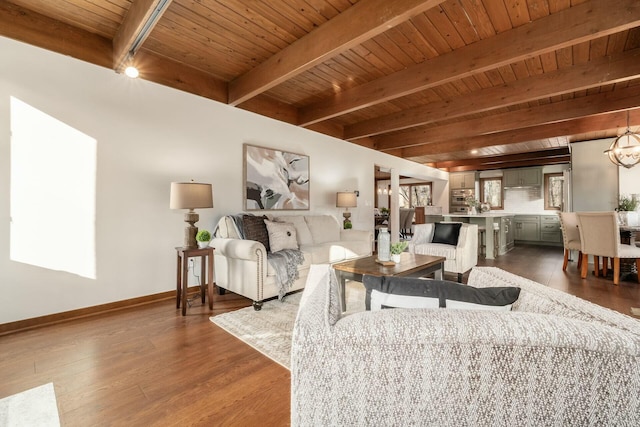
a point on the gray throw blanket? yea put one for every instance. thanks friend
(285, 263)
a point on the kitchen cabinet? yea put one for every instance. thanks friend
(462, 180)
(550, 229)
(525, 177)
(527, 227)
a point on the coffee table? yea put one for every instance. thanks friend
(410, 265)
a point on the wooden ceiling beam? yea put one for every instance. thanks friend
(574, 25)
(138, 22)
(569, 109)
(570, 127)
(362, 21)
(606, 70)
(33, 28)
(174, 74)
(498, 160)
(515, 164)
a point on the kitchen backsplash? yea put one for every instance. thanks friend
(525, 200)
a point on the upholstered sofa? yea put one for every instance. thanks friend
(241, 266)
(554, 359)
(461, 256)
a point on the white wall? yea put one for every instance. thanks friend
(594, 179)
(147, 136)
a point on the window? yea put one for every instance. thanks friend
(491, 192)
(412, 195)
(553, 191)
(53, 193)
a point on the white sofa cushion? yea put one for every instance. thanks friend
(303, 235)
(324, 228)
(324, 253)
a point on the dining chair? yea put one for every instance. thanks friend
(600, 237)
(408, 223)
(570, 237)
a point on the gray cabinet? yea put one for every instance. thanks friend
(462, 180)
(526, 177)
(550, 229)
(527, 227)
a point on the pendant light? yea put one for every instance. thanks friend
(625, 150)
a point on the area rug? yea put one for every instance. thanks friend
(269, 330)
(36, 407)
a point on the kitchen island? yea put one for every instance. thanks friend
(504, 221)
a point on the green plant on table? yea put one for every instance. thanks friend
(203, 236)
(384, 211)
(348, 225)
(627, 204)
(398, 247)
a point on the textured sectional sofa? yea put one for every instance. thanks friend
(241, 266)
(553, 360)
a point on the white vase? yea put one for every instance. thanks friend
(395, 258)
(384, 244)
(203, 245)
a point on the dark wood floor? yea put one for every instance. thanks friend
(150, 366)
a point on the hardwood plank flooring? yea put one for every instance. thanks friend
(149, 366)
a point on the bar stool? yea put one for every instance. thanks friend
(482, 240)
(496, 239)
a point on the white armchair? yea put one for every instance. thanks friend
(460, 258)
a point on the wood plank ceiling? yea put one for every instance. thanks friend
(457, 84)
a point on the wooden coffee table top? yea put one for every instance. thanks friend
(409, 263)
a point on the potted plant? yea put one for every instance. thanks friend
(396, 249)
(627, 214)
(203, 237)
(473, 204)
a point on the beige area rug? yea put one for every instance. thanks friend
(36, 407)
(269, 330)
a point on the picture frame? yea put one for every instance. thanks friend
(275, 179)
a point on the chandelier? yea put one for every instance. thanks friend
(625, 150)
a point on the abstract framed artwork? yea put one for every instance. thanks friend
(275, 179)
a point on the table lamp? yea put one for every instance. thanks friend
(190, 195)
(345, 199)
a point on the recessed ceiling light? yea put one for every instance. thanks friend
(474, 151)
(131, 71)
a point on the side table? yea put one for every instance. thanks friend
(206, 260)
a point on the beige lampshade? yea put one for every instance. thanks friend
(190, 195)
(346, 200)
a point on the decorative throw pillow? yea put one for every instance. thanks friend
(282, 235)
(447, 233)
(404, 292)
(256, 229)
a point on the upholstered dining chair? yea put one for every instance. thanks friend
(600, 237)
(570, 237)
(408, 222)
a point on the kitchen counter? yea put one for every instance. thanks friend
(487, 220)
(480, 215)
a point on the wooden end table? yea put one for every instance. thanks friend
(206, 260)
(410, 265)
